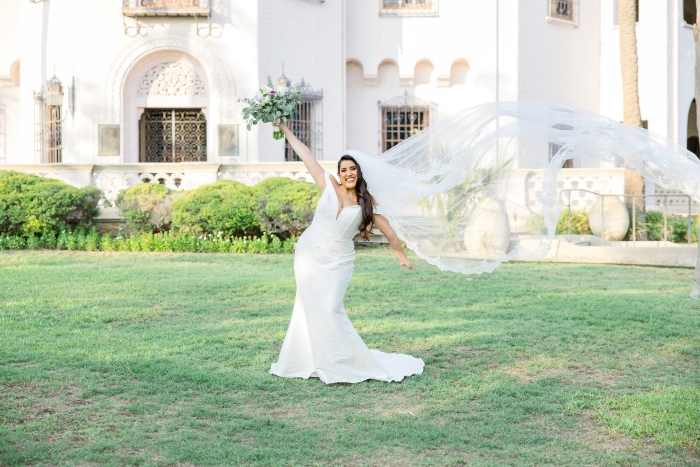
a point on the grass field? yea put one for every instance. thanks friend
(163, 359)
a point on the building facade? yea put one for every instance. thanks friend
(139, 83)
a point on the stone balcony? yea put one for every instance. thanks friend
(136, 8)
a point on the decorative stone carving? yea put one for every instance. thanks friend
(614, 212)
(171, 79)
(222, 96)
(112, 183)
(488, 233)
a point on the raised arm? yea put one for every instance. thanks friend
(304, 153)
(383, 225)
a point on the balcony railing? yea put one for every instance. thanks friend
(166, 8)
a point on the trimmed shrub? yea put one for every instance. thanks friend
(147, 207)
(285, 206)
(32, 205)
(225, 206)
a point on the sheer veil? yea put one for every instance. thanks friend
(454, 191)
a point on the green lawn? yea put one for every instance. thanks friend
(163, 359)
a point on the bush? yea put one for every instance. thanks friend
(579, 223)
(32, 205)
(285, 206)
(147, 207)
(225, 206)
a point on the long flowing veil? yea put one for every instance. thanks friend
(450, 192)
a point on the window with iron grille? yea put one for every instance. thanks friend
(48, 123)
(307, 123)
(408, 8)
(402, 117)
(565, 11)
(173, 135)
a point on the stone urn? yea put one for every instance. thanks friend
(617, 218)
(488, 232)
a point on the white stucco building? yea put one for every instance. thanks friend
(150, 88)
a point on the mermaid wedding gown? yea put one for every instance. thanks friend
(320, 340)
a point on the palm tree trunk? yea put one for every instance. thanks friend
(696, 286)
(632, 114)
(629, 62)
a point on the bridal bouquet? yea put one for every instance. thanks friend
(271, 105)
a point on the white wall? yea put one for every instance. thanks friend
(308, 36)
(558, 62)
(388, 56)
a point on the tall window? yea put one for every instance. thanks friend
(173, 135)
(408, 7)
(48, 123)
(402, 117)
(307, 123)
(689, 11)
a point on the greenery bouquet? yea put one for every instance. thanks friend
(272, 105)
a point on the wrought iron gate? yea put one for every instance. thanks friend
(173, 135)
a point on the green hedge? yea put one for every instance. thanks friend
(33, 205)
(166, 242)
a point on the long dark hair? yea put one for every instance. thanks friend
(364, 198)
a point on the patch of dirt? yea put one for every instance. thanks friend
(46, 401)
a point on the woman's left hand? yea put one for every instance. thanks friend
(407, 264)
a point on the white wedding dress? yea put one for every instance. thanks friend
(321, 341)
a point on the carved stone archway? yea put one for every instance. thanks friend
(119, 99)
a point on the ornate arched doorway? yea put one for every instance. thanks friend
(172, 100)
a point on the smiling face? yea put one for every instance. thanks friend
(348, 174)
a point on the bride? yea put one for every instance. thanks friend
(320, 340)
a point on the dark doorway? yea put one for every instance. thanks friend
(693, 143)
(173, 135)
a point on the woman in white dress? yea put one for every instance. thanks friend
(321, 342)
